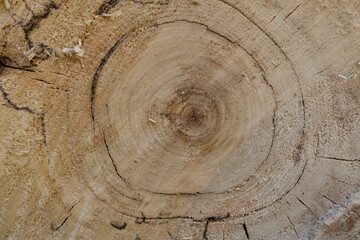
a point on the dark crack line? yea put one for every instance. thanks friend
(322, 71)
(272, 19)
(12, 104)
(171, 237)
(213, 219)
(140, 220)
(324, 196)
(64, 221)
(100, 68)
(246, 230)
(338, 159)
(292, 11)
(149, 220)
(62, 224)
(151, 2)
(41, 80)
(306, 207)
(293, 226)
(112, 159)
(16, 68)
(43, 129)
(117, 172)
(107, 6)
(26, 109)
(35, 21)
(72, 207)
(50, 85)
(206, 230)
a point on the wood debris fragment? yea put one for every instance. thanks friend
(30, 54)
(7, 4)
(113, 15)
(75, 50)
(343, 77)
(152, 120)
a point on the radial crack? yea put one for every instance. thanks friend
(338, 159)
(306, 206)
(324, 196)
(72, 207)
(206, 230)
(293, 226)
(62, 224)
(213, 219)
(15, 68)
(246, 230)
(288, 15)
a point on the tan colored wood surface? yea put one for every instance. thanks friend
(179, 119)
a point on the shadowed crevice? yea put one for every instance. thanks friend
(100, 68)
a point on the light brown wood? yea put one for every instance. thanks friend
(216, 119)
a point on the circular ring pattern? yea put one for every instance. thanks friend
(191, 114)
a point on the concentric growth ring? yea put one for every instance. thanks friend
(189, 115)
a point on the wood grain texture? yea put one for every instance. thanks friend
(206, 119)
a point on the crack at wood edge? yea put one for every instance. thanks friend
(293, 226)
(279, 47)
(339, 208)
(288, 15)
(306, 207)
(99, 69)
